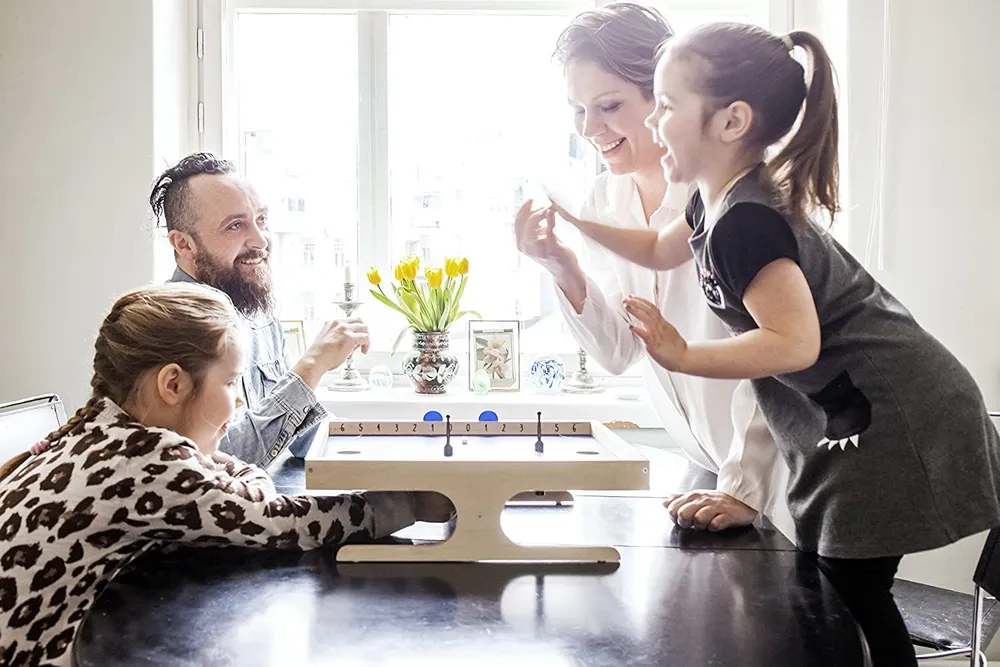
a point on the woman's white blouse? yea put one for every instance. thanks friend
(716, 422)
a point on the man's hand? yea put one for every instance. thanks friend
(335, 342)
(709, 510)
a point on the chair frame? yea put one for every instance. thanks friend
(975, 651)
(977, 658)
(28, 403)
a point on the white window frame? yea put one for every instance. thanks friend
(217, 97)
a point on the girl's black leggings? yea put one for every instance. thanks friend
(866, 588)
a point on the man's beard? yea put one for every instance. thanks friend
(251, 297)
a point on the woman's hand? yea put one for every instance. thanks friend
(709, 510)
(535, 235)
(663, 343)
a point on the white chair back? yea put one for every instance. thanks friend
(25, 422)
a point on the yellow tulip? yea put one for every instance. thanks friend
(413, 260)
(451, 266)
(373, 277)
(434, 277)
(398, 272)
(463, 266)
(409, 271)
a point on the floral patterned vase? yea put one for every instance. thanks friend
(430, 366)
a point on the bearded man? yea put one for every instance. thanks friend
(217, 226)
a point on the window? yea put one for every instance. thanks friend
(339, 256)
(307, 305)
(308, 254)
(419, 130)
(462, 145)
(297, 132)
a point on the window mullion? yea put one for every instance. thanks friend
(374, 248)
(215, 80)
(780, 16)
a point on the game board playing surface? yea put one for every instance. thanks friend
(467, 448)
(479, 466)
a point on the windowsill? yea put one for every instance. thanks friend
(401, 402)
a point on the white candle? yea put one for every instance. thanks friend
(350, 274)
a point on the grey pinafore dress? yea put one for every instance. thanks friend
(887, 437)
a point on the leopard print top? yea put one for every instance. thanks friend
(71, 517)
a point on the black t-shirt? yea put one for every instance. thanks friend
(747, 237)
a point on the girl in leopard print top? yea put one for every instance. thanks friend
(137, 466)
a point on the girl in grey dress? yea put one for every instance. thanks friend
(889, 443)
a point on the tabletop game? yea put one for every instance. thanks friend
(480, 466)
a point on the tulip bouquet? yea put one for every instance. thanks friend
(431, 305)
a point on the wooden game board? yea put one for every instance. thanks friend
(490, 463)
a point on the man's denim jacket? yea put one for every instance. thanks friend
(281, 409)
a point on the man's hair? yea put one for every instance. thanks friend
(170, 198)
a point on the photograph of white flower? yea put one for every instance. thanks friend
(493, 348)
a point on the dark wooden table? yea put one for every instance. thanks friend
(745, 598)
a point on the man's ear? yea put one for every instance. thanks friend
(183, 244)
(736, 120)
(173, 384)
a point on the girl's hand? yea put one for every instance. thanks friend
(432, 507)
(564, 214)
(663, 343)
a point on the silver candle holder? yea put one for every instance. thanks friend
(348, 379)
(581, 381)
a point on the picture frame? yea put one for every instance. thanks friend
(295, 339)
(495, 346)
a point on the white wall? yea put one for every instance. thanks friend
(940, 224)
(175, 90)
(943, 142)
(79, 144)
(941, 232)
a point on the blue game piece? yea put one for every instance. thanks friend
(433, 416)
(487, 416)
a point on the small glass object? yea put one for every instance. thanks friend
(481, 382)
(547, 373)
(380, 377)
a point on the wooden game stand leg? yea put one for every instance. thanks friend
(469, 579)
(478, 536)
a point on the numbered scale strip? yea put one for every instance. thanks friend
(458, 428)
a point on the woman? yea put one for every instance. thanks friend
(608, 55)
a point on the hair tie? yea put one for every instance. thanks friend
(789, 44)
